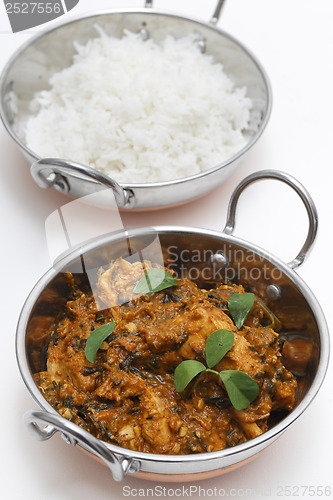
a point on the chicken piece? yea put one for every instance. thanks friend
(241, 357)
(261, 338)
(126, 433)
(115, 286)
(121, 385)
(258, 411)
(154, 418)
(285, 394)
(64, 363)
(188, 328)
(251, 429)
(200, 321)
(279, 381)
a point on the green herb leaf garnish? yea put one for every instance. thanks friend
(96, 338)
(217, 346)
(185, 372)
(155, 280)
(241, 388)
(239, 305)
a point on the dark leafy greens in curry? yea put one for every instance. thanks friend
(240, 387)
(120, 373)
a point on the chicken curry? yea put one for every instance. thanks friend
(127, 396)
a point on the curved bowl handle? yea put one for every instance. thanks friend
(73, 435)
(56, 172)
(217, 12)
(214, 19)
(300, 190)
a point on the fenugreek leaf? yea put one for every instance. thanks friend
(239, 305)
(217, 346)
(155, 280)
(241, 388)
(96, 338)
(185, 372)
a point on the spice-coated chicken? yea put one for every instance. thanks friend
(127, 396)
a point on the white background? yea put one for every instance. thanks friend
(294, 42)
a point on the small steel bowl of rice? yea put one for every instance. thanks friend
(159, 107)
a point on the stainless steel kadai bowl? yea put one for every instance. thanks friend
(29, 70)
(223, 255)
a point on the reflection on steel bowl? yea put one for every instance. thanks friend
(56, 45)
(280, 293)
(126, 392)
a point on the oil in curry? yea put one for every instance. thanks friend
(127, 396)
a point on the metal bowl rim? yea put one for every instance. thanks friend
(147, 11)
(269, 435)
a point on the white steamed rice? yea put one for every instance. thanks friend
(140, 111)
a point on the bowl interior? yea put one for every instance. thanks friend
(203, 257)
(30, 69)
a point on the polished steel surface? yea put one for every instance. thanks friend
(30, 68)
(217, 12)
(73, 435)
(240, 257)
(61, 174)
(302, 193)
